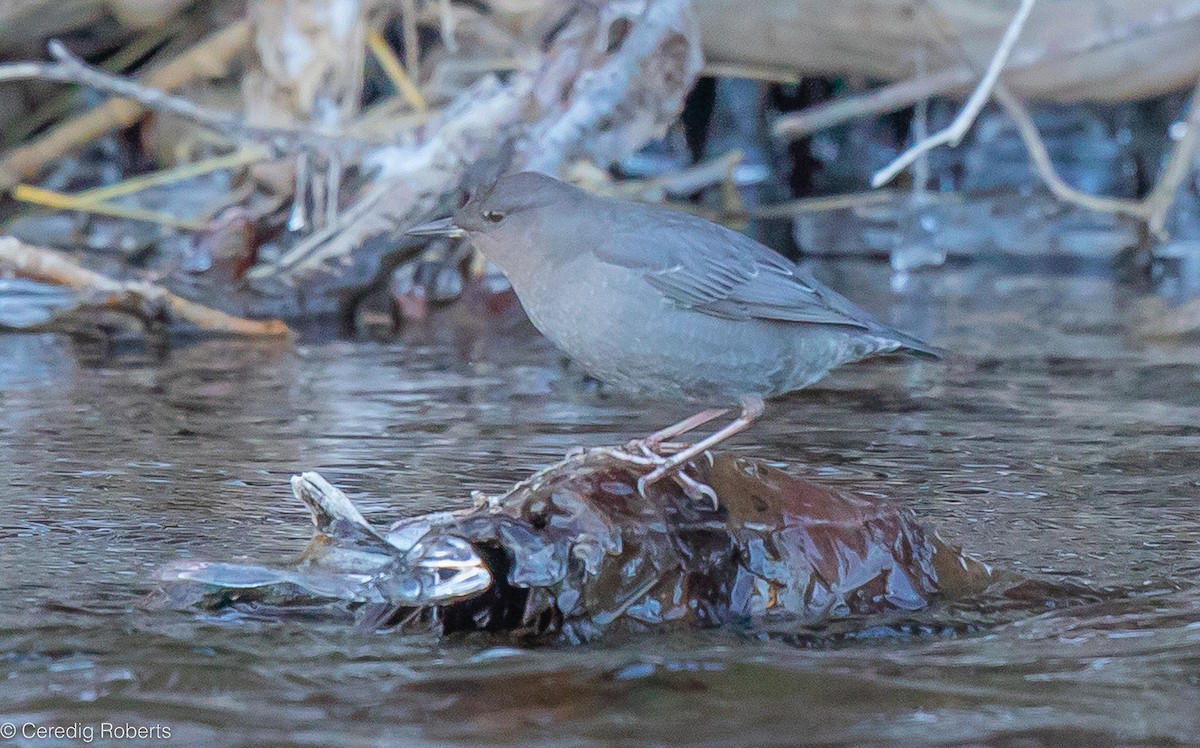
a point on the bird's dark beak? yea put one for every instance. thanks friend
(440, 227)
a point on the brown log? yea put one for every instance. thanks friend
(1070, 50)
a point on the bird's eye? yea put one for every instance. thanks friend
(493, 216)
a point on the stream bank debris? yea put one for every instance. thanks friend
(332, 184)
(336, 124)
(577, 551)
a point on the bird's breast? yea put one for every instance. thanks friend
(625, 333)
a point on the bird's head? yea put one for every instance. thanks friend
(522, 218)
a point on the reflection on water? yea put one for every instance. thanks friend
(1051, 443)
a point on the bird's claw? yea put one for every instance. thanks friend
(642, 455)
(696, 490)
(665, 458)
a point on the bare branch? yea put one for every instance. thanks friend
(1066, 58)
(1042, 163)
(889, 98)
(1154, 208)
(958, 129)
(70, 69)
(1179, 165)
(208, 58)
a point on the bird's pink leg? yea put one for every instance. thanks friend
(752, 408)
(655, 440)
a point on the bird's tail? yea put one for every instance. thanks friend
(911, 346)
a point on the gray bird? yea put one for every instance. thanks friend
(658, 303)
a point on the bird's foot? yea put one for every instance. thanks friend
(638, 454)
(695, 489)
(669, 459)
(752, 408)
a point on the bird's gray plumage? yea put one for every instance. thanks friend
(660, 302)
(708, 268)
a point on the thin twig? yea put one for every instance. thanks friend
(1042, 163)
(1153, 209)
(61, 104)
(207, 59)
(313, 244)
(958, 129)
(1179, 165)
(1065, 53)
(71, 69)
(412, 43)
(823, 204)
(688, 180)
(447, 24)
(173, 175)
(56, 268)
(890, 98)
(750, 72)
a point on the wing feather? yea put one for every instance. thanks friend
(714, 270)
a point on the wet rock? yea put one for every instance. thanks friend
(577, 551)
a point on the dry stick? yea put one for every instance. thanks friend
(59, 201)
(1038, 153)
(51, 266)
(447, 25)
(362, 207)
(1153, 208)
(1180, 164)
(60, 105)
(958, 129)
(1044, 165)
(750, 72)
(208, 59)
(830, 203)
(71, 69)
(696, 177)
(97, 200)
(896, 96)
(889, 98)
(173, 175)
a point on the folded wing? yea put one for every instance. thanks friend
(717, 271)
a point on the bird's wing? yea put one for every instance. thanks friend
(717, 271)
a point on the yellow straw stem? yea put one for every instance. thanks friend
(395, 71)
(170, 176)
(59, 201)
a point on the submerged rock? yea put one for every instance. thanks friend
(576, 551)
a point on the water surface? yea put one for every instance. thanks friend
(1053, 443)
